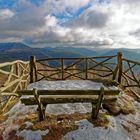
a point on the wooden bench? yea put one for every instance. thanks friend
(44, 97)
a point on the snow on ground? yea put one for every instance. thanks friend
(18, 112)
(70, 108)
(32, 135)
(66, 84)
(122, 127)
(16, 116)
(87, 131)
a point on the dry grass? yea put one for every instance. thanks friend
(59, 125)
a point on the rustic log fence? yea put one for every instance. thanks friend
(130, 76)
(14, 76)
(131, 73)
(115, 67)
(73, 68)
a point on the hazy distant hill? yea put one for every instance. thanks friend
(70, 49)
(14, 51)
(133, 54)
(59, 53)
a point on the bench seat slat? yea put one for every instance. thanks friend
(69, 92)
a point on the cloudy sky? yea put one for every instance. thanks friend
(87, 23)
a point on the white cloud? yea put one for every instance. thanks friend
(124, 21)
(5, 14)
(113, 24)
(91, 18)
(11, 39)
(50, 21)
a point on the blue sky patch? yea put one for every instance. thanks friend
(69, 14)
(37, 2)
(7, 3)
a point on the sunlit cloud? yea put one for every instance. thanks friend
(92, 23)
(5, 14)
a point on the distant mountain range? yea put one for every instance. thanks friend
(14, 51)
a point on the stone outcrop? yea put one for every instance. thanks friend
(124, 105)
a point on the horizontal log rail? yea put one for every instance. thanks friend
(131, 61)
(12, 63)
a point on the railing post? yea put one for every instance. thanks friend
(62, 68)
(17, 69)
(116, 69)
(120, 66)
(86, 68)
(33, 76)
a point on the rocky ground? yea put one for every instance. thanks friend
(116, 121)
(72, 122)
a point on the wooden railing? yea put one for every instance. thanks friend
(124, 71)
(13, 76)
(16, 75)
(131, 73)
(73, 68)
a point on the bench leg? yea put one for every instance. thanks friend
(41, 113)
(95, 108)
(41, 108)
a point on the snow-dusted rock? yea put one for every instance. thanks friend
(28, 124)
(87, 131)
(32, 135)
(121, 127)
(66, 84)
(123, 105)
